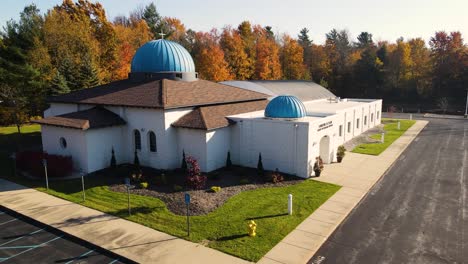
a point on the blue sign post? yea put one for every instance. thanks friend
(187, 202)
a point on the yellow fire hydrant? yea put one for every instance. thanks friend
(252, 228)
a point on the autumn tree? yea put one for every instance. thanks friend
(234, 54)
(209, 58)
(292, 62)
(420, 69)
(267, 63)
(248, 41)
(338, 50)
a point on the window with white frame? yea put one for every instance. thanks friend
(365, 120)
(357, 123)
(137, 139)
(340, 132)
(349, 127)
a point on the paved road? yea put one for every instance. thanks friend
(418, 213)
(23, 241)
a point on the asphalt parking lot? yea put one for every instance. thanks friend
(23, 240)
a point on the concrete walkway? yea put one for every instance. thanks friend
(128, 239)
(357, 174)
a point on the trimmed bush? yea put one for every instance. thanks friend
(31, 161)
(228, 161)
(113, 162)
(244, 181)
(194, 179)
(215, 189)
(260, 169)
(275, 177)
(143, 185)
(178, 188)
(183, 166)
(136, 160)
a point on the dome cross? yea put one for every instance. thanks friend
(162, 34)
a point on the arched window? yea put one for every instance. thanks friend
(137, 139)
(152, 141)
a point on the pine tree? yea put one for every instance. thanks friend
(88, 75)
(68, 70)
(260, 169)
(228, 161)
(59, 85)
(136, 161)
(153, 19)
(184, 162)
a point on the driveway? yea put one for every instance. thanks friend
(418, 213)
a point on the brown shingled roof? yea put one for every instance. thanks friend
(163, 93)
(212, 117)
(96, 117)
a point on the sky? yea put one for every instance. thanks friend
(386, 20)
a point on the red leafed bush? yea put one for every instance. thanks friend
(194, 179)
(31, 161)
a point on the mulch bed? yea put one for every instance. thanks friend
(205, 201)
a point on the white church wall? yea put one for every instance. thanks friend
(99, 146)
(170, 144)
(235, 143)
(56, 109)
(76, 144)
(218, 144)
(283, 145)
(193, 143)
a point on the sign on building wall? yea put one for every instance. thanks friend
(325, 125)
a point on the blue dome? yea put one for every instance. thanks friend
(162, 56)
(285, 106)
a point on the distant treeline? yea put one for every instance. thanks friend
(74, 46)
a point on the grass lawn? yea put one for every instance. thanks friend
(391, 134)
(224, 229)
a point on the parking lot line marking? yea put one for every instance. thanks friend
(114, 261)
(79, 257)
(27, 250)
(18, 238)
(8, 221)
(15, 247)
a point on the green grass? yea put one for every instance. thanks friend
(391, 134)
(224, 229)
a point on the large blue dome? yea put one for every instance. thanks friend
(162, 56)
(285, 106)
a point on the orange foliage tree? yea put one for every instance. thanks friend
(267, 66)
(292, 61)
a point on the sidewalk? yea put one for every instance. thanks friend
(357, 174)
(128, 239)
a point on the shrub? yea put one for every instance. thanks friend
(275, 177)
(183, 166)
(260, 170)
(215, 189)
(136, 160)
(113, 162)
(244, 181)
(194, 179)
(178, 188)
(318, 165)
(163, 179)
(228, 161)
(137, 176)
(31, 161)
(341, 151)
(143, 185)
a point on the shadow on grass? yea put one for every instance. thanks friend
(136, 210)
(266, 216)
(226, 238)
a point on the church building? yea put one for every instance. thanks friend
(163, 109)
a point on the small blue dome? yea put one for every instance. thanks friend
(285, 106)
(162, 56)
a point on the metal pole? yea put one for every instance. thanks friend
(128, 200)
(411, 117)
(82, 184)
(46, 176)
(398, 125)
(466, 107)
(188, 221)
(290, 197)
(382, 139)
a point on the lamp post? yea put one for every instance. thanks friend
(44, 163)
(466, 106)
(129, 187)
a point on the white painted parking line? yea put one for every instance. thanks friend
(114, 261)
(18, 238)
(27, 250)
(12, 220)
(79, 257)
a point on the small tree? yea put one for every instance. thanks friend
(228, 161)
(184, 162)
(136, 161)
(260, 169)
(194, 179)
(443, 104)
(113, 162)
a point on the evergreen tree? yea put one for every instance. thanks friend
(228, 161)
(136, 161)
(68, 70)
(153, 19)
(303, 38)
(113, 162)
(88, 75)
(59, 85)
(260, 169)
(183, 166)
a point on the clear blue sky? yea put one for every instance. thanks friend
(386, 20)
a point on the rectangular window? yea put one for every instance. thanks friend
(349, 127)
(341, 130)
(372, 117)
(365, 120)
(357, 123)
(378, 113)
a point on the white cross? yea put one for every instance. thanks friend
(162, 34)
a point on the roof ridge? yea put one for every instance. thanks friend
(243, 89)
(202, 117)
